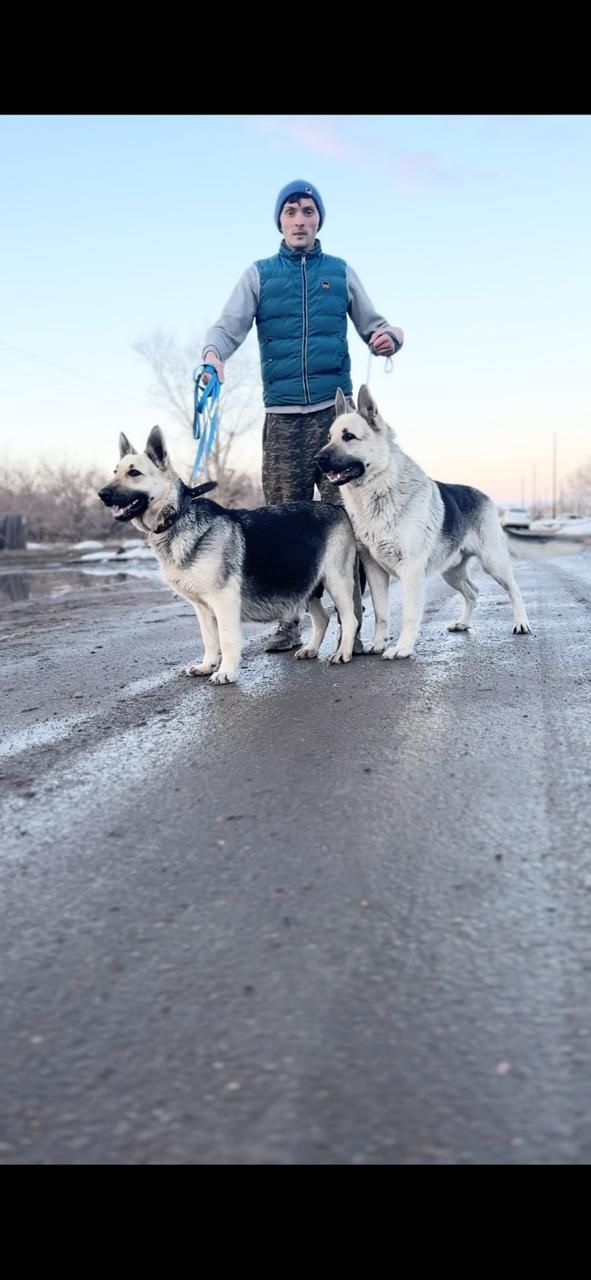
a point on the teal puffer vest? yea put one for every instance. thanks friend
(302, 326)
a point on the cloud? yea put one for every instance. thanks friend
(315, 133)
(328, 136)
(323, 138)
(421, 168)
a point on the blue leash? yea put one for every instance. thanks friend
(205, 418)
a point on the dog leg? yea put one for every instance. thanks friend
(495, 561)
(457, 577)
(360, 581)
(319, 619)
(351, 558)
(211, 642)
(379, 586)
(342, 592)
(412, 581)
(227, 611)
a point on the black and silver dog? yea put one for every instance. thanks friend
(270, 563)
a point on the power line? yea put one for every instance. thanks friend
(73, 373)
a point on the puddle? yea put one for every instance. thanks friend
(51, 581)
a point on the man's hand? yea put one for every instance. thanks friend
(382, 343)
(211, 358)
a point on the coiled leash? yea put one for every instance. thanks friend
(206, 415)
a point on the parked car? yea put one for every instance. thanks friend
(515, 518)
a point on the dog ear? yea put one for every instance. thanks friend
(156, 448)
(125, 446)
(367, 407)
(340, 403)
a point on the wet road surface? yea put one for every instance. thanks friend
(329, 915)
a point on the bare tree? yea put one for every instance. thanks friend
(59, 502)
(579, 488)
(240, 405)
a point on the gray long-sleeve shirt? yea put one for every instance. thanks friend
(238, 315)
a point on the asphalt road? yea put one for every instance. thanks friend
(329, 915)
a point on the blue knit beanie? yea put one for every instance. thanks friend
(298, 189)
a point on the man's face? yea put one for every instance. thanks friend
(299, 223)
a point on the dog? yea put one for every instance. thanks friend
(270, 563)
(409, 525)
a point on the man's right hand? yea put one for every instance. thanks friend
(211, 358)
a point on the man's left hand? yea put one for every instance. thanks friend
(382, 343)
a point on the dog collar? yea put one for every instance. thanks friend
(175, 515)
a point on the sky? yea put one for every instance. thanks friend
(472, 233)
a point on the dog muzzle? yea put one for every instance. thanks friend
(126, 506)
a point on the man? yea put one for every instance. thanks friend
(300, 299)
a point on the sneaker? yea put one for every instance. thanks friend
(287, 636)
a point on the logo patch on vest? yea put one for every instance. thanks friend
(326, 284)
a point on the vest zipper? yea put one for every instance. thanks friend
(305, 332)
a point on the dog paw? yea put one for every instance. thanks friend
(307, 651)
(397, 651)
(522, 629)
(376, 647)
(223, 677)
(201, 669)
(458, 626)
(341, 656)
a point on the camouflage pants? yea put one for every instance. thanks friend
(290, 441)
(290, 472)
